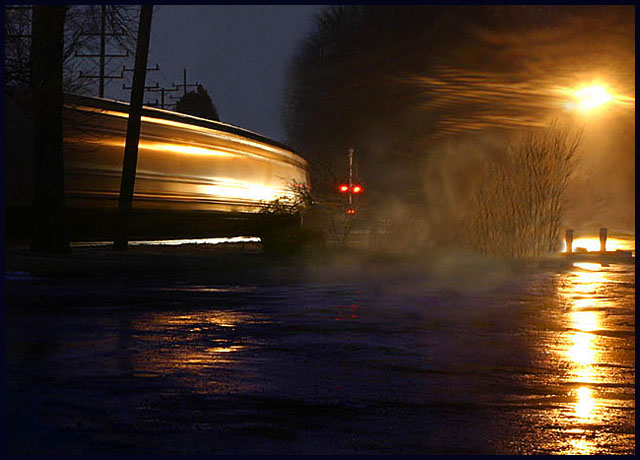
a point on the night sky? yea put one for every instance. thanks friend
(238, 53)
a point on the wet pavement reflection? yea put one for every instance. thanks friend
(544, 364)
(586, 383)
(600, 333)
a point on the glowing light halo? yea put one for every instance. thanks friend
(586, 98)
(591, 97)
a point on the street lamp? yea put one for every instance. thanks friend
(591, 97)
(587, 98)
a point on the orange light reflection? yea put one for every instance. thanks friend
(190, 341)
(586, 405)
(592, 244)
(580, 446)
(583, 319)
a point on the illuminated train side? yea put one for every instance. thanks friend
(187, 166)
(184, 162)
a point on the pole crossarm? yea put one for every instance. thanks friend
(157, 67)
(146, 88)
(109, 77)
(101, 55)
(98, 34)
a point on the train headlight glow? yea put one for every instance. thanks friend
(184, 149)
(166, 147)
(233, 189)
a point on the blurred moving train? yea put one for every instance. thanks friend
(192, 174)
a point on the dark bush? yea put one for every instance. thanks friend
(281, 226)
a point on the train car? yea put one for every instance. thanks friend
(192, 174)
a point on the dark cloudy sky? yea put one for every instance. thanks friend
(238, 53)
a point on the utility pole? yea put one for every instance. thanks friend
(350, 175)
(162, 93)
(102, 54)
(133, 130)
(184, 83)
(351, 188)
(49, 208)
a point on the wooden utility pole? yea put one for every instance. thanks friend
(133, 130)
(184, 83)
(47, 50)
(350, 175)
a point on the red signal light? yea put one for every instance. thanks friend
(351, 211)
(356, 189)
(343, 188)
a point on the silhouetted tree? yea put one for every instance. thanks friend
(198, 104)
(517, 209)
(79, 19)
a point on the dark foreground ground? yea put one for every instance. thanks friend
(199, 349)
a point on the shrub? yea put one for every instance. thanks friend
(281, 225)
(518, 209)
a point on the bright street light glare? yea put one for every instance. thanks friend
(591, 97)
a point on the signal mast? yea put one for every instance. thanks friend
(351, 188)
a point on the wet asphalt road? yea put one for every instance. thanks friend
(207, 353)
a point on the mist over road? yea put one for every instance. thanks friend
(354, 357)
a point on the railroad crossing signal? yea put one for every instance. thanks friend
(350, 188)
(344, 188)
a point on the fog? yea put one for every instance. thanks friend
(440, 89)
(602, 192)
